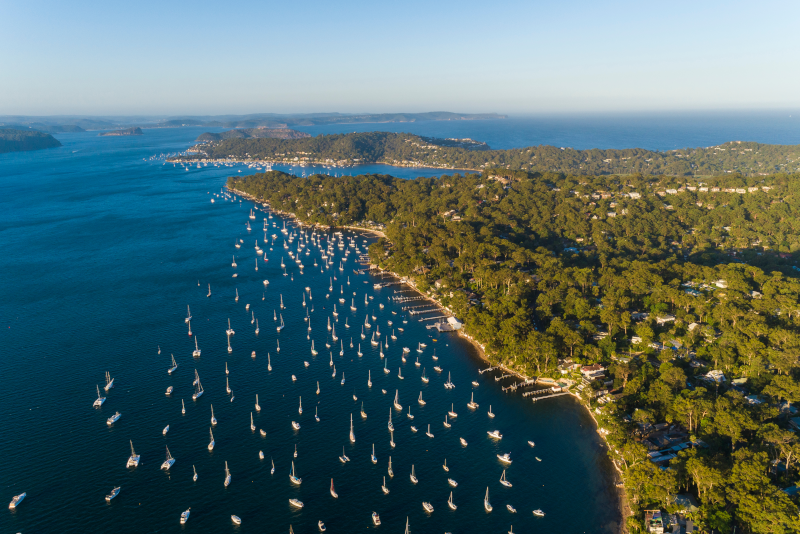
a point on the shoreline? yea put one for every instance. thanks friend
(623, 505)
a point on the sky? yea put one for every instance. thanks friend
(512, 57)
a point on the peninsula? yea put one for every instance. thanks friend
(666, 305)
(120, 133)
(14, 140)
(254, 133)
(407, 150)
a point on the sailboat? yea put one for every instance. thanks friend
(194, 477)
(168, 462)
(333, 491)
(272, 471)
(503, 480)
(352, 434)
(420, 401)
(133, 461)
(425, 379)
(391, 439)
(252, 425)
(234, 262)
(229, 345)
(183, 408)
(109, 382)
(281, 326)
(472, 404)
(99, 400)
(237, 295)
(384, 488)
(452, 413)
(428, 433)
(174, 365)
(489, 413)
(413, 477)
(341, 348)
(385, 366)
(446, 423)
(369, 374)
(400, 373)
(227, 475)
(360, 354)
(373, 457)
(257, 329)
(300, 409)
(196, 352)
(293, 478)
(316, 417)
(209, 290)
(227, 386)
(198, 392)
(269, 364)
(313, 351)
(391, 473)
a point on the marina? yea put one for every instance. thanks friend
(148, 312)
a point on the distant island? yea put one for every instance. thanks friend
(14, 140)
(119, 133)
(406, 150)
(254, 133)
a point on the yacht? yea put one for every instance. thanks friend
(133, 461)
(174, 365)
(114, 493)
(472, 404)
(503, 480)
(293, 478)
(427, 506)
(376, 519)
(296, 503)
(505, 458)
(413, 477)
(437, 368)
(495, 434)
(168, 462)
(532, 444)
(113, 419)
(486, 503)
(333, 491)
(227, 476)
(452, 413)
(211, 443)
(450, 502)
(538, 513)
(99, 400)
(185, 516)
(384, 488)
(16, 501)
(169, 391)
(196, 351)
(295, 425)
(463, 441)
(490, 414)
(511, 509)
(373, 457)
(420, 401)
(236, 520)
(263, 433)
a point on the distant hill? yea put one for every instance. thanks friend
(254, 133)
(408, 150)
(46, 127)
(14, 140)
(119, 133)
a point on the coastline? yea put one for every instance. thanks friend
(623, 506)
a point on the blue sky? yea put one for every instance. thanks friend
(175, 57)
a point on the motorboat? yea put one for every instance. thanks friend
(114, 493)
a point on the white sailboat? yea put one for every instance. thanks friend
(281, 326)
(413, 476)
(133, 461)
(168, 462)
(174, 365)
(227, 476)
(333, 491)
(252, 425)
(503, 480)
(194, 476)
(352, 434)
(183, 408)
(213, 419)
(258, 406)
(420, 400)
(211, 443)
(109, 382)
(428, 433)
(472, 404)
(99, 400)
(384, 488)
(369, 374)
(269, 363)
(300, 409)
(196, 352)
(486, 503)
(294, 478)
(198, 391)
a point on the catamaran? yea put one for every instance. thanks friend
(133, 461)
(99, 400)
(168, 462)
(109, 382)
(196, 352)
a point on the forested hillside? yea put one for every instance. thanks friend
(13, 140)
(684, 295)
(751, 159)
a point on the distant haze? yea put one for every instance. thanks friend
(529, 56)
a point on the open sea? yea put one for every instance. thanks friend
(103, 247)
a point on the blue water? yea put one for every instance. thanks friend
(102, 251)
(662, 131)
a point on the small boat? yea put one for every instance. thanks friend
(16, 501)
(168, 462)
(213, 419)
(295, 425)
(450, 502)
(490, 414)
(495, 434)
(538, 513)
(446, 422)
(164, 432)
(373, 457)
(503, 480)
(538, 459)
(109, 382)
(211, 443)
(133, 461)
(262, 432)
(316, 417)
(437, 368)
(99, 400)
(505, 458)
(409, 412)
(452, 413)
(320, 524)
(428, 507)
(532, 444)
(511, 509)
(413, 476)
(227, 476)
(293, 478)
(452, 482)
(486, 503)
(174, 365)
(463, 441)
(420, 401)
(114, 493)
(474, 383)
(343, 458)
(194, 477)
(376, 519)
(296, 503)
(333, 491)
(169, 391)
(185, 516)
(113, 419)
(236, 520)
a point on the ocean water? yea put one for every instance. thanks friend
(103, 249)
(653, 131)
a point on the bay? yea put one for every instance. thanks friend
(103, 248)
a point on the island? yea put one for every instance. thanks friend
(666, 305)
(120, 133)
(16, 140)
(407, 150)
(254, 133)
